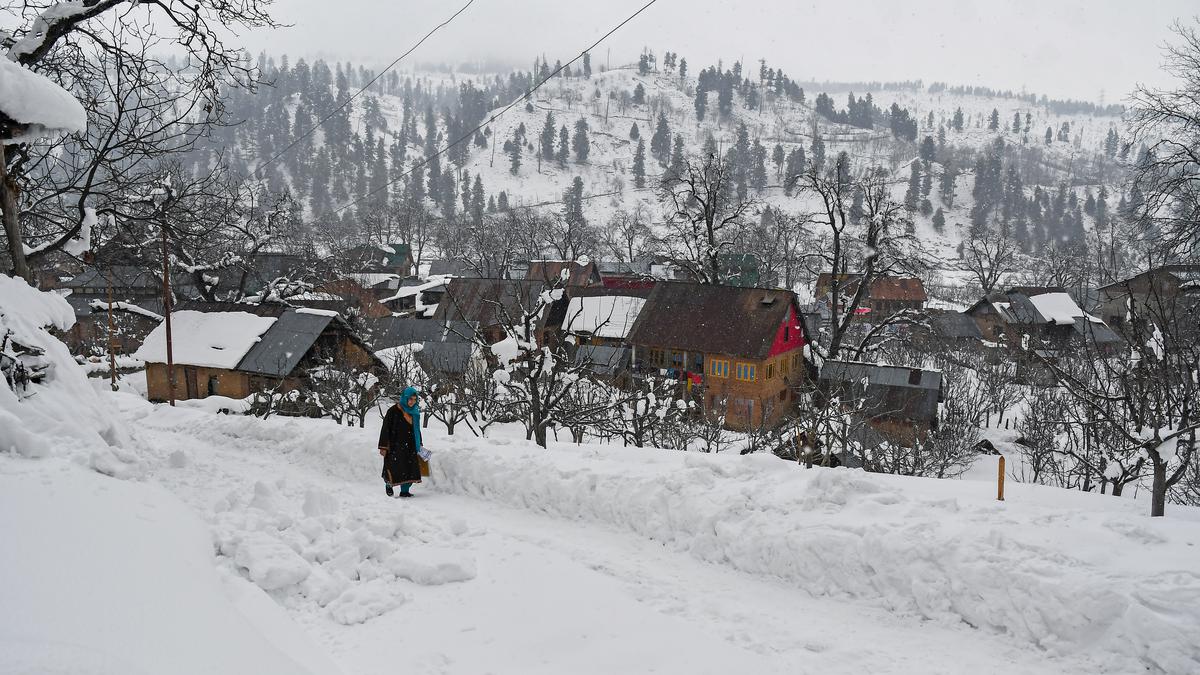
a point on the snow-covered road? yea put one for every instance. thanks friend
(487, 588)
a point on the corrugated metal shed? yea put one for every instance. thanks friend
(280, 349)
(895, 391)
(393, 331)
(487, 301)
(603, 359)
(740, 322)
(955, 325)
(452, 358)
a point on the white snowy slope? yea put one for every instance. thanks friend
(34, 100)
(557, 559)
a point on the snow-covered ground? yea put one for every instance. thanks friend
(581, 559)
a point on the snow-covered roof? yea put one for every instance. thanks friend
(409, 291)
(1057, 308)
(609, 316)
(210, 339)
(34, 100)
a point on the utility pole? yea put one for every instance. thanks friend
(167, 310)
(112, 352)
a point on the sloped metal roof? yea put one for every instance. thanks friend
(603, 359)
(911, 393)
(453, 358)
(280, 349)
(393, 331)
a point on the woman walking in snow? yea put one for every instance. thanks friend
(399, 443)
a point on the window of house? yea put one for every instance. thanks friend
(213, 384)
(718, 367)
(745, 372)
(677, 359)
(770, 371)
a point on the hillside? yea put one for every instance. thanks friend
(370, 153)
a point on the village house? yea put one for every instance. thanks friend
(741, 350)
(899, 403)
(493, 304)
(233, 350)
(886, 295)
(394, 259)
(565, 273)
(1042, 318)
(93, 335)
(603, 316)
(417, 297)
(1170, 290)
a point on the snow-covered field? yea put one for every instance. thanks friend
(577, 559)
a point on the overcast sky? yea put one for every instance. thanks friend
(1062, 48)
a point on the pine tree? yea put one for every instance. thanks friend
(994, 120)
(564, 145)
(682, 70)
(957, 122)
(928, 150)
(818, 153)
(573, 202)
(1049, 136)
(477, 201)
(939, 221)
(634, 134)
(548, 137)
(675, 167)
(587, 65)
(926, 207)
(778, 157)
(1016, 123)
(1111, 143)
(502, 201)
(701, 102)
(514, 154)
(580, 142)
(639, 94)
(758, 172)
(927, 182)
(946, 185)
(856, 206)
(660, 142)
(793, 169)
(639, 165)
(913, 195)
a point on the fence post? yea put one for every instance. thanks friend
(1000, 479)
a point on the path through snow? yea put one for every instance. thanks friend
(451, 584)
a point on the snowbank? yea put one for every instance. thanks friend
(116, 577)
(1069, 572)
(34, 100)
(62, 414)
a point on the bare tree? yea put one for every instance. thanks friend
(853, 255)
(990, 257)
(138, 107)
(704, 216)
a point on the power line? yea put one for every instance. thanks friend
(494, 117)
(358, 93)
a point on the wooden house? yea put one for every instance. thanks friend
(886, 295)
(394, 259)
(899, 403)
(226, 349)
(1045, 318)
(567, 273)
(1156, 294)
(491, 304)
(739, 349)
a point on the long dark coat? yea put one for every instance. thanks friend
(400, 464)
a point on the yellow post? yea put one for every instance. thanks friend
(1000, 479)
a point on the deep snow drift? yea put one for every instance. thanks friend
(516, 559)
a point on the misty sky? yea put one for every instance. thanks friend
(1062, 48)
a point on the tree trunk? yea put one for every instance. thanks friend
(539, 433)
(1158, 489)
(12, 224)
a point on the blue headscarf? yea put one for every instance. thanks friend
(413, 412)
